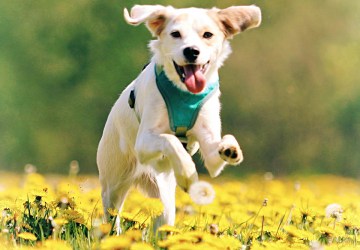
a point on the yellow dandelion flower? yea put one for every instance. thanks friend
(224, 224)
(280, 235)
(351, 221)
(105, 228)
(58, 222)
(127, 215)
(227, 242)
(304, 215)
(73, 215)
(134, 216)
(213, 209)
(190, 246)
(112, 211)
(299, 246)
(182, 198)
(134, 235)
(7, 204)
(188, 221)
(187, 237)
(115, 242)
(69, 187)
(141, 246)
(55, 245)
(185, 246)
(294, 232)
(152, 207)
(34, 180)
(169, 229)
(27, 236)
(298, 233)
(39, 192)
(327, 231)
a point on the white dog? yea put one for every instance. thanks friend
(172, 108)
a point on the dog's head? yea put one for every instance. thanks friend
(192, 43)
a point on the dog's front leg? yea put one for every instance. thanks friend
(217, 151)
(152, 147)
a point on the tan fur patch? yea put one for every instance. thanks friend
(233, 20)
(157, 24)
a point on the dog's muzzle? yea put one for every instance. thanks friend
(193, 76)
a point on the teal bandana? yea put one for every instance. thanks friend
(183, 106)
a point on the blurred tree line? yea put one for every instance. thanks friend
(290, 90)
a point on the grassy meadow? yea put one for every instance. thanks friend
(257, 212)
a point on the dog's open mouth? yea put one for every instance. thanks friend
(192, 76)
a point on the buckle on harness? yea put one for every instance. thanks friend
(180, 133)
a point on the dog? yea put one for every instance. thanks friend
(172, 108)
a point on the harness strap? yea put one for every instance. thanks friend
(180, 132)
(131, 102)
(131, 99)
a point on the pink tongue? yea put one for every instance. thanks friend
(194, 78)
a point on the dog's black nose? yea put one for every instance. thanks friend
(191, 53)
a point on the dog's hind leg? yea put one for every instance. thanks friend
(162, 186)
(117, 168)
(114, 197)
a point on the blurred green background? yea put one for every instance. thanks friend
(290, 89)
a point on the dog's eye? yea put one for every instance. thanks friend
(175, 34)
(208, 35)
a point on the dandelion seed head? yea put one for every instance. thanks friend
(315, 245)
(214, 229)
(64, 200)
(334, 210)
(202, 193)
(297, 186)
(74, 168)
(188, 210)
(29, 169)
(4, 213)
(268, 176)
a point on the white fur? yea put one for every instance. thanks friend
(147, 153)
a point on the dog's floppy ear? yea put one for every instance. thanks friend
(236, 19)
(154, 15)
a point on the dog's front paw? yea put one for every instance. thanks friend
(229, 150)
